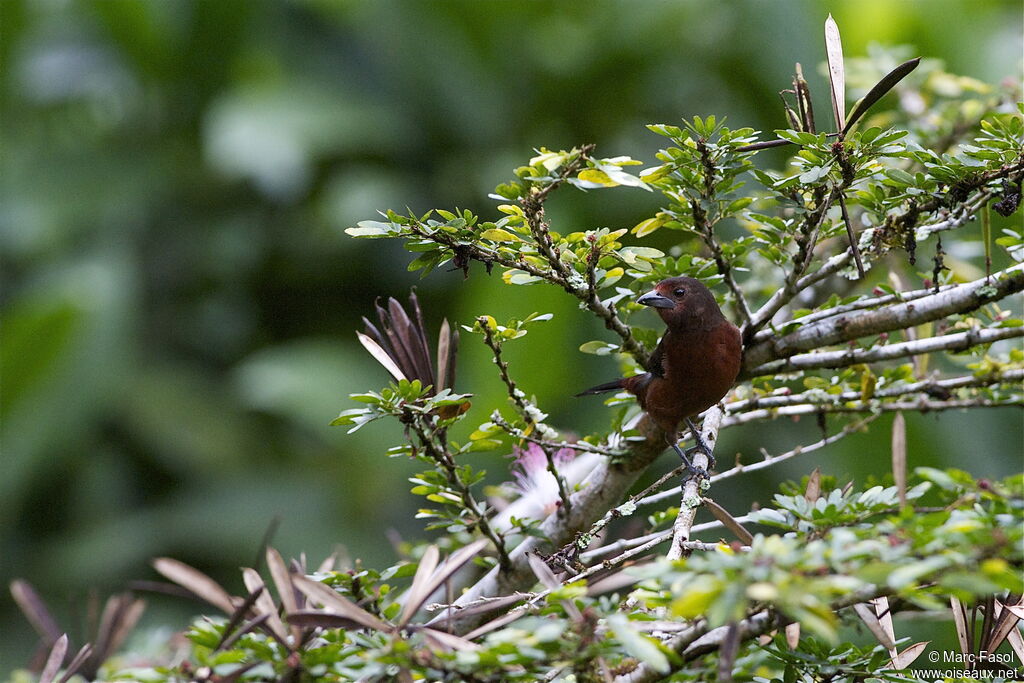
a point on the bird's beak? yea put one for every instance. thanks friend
(656, 300)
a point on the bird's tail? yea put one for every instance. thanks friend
(614, 385)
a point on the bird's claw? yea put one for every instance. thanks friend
(701, 445)
(703, 448)
(690, 468)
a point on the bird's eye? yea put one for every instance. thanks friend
(679, 292)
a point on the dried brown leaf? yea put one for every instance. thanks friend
(543, 572)
(76, 663)
(197, 582)
(551, 582)
(908, 656)
(419, 328)
(236, 633)
(380, 355)
(879, 90)
(884, 614)
(813, 490)
(1016, 642)
(729, 522)
(960, 622)
(318, 619)
(436, 579)
(899, 456)
(610, 583)
(870, 619)
(439, 640)
(264, 603)
(329, 563)
(419, 591)
(120, 615)
(503, 620)
(285, 589)
(446, 345)
(836, 71)
(793, 635)
(1007, 617)
(482, 607)
(54, 660)
(727, 652)
(35, 610)
(332, 602)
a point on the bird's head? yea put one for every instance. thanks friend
(683, 303)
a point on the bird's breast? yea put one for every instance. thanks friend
(700, 368)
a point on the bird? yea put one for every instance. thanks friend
(694, 365)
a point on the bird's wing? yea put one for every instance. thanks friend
(656, 363)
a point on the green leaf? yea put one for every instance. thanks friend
(499, 235)
(644, 228)
(518, 277)
(369, 229)
(599, 348)
(637, 644)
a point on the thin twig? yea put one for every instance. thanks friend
(960, 341)
(767, 461)
(526, 411)
(581, 446)
(931, 387)
(706, 228)
(443, 458)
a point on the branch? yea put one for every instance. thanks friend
(581, 446)
(706, 229)
(922, 405)
(692, 488)
(845, 327)
(768, 460)
(657, 537)
(599, 492)
(838, 359)
(931, 387)
(442, 457)
(529, 412)
(841, 260)
(697, 640)
(805, 242)
(859, 305)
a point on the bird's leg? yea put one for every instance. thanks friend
(693, 471)
(701, 444)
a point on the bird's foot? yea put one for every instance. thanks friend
(701, 445)
(702, 449)
(690, 469)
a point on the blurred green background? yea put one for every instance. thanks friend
(180, 302)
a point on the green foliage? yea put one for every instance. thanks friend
(961, 538)
(771, 241)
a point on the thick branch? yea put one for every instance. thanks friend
(841, 260)
(845, 327)
(599, 492)
(859, 305)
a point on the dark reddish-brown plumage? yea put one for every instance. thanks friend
(695, 363)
